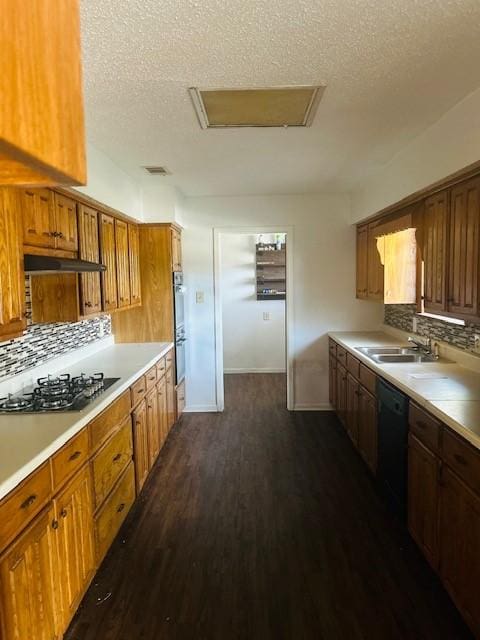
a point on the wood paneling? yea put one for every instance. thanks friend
(74, 514)
(463, 259)
(140, 445)
(123, 266)
(108, 258)
(134, 264)
(435, 244)
(89, 249)
(153, 321)
(12, 281)
(423, 498)
(66, 234)
(362, 261)
(29, 584)
(367, 428)
(42, 137)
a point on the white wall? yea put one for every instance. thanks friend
(250, 343)
(451, 143)
(109, 184)
(324, 273)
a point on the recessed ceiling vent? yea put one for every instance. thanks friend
(268, 107)
(157, 171)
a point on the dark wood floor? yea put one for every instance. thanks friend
(263, 524)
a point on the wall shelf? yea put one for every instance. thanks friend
(270, 275)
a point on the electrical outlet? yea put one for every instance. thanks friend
(200, 297)
(266, 315)
(476, 343)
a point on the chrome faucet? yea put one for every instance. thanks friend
(422, 344)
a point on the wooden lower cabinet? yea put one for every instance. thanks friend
(140, 445)
(74, 517)
(170, 391)
(163, 426)
(29, 586)
(423, 498)
(341, 392)
(367, 428)
(332, 382)
(351, 413)
(153, 427)
(460, 546)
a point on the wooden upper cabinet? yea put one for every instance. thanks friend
(66, 234)
(37, 210)
(362, 261)
(176, 250)
(108, 258)
(462, 299)
(12, 280)
(89, 249)
(435, 234)
(374, 265)
(42, 137)
(74, 515)
(123, 266)
(29, 583)
(134, 263)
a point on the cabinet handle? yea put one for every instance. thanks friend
(120, 507)
(75, 455)
(55, 524)
(28, 502)
(153, 378)
(59, 234)
(117, 457)
(141, 391)
(87, 304)
(460, 459)
(63, 513)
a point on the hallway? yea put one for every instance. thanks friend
(260, 524)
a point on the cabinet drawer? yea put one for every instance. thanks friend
(462, 458)
(23, 503)
(368, 379)
(70, 458)
(138, 390)
(110, 461)
(109, 520)
(169, 359)
(151, 377)
(102, 426)
(161, 367)
(353, 366)
(332, 347)
(425, 427)
(342, 355)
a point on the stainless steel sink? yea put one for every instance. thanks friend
(391, 355)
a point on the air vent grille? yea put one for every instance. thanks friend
(157, 171)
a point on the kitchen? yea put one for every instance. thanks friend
(339, 499)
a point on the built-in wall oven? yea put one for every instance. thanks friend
(179, 316)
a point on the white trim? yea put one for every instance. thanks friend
(201, 408)
(255, 370)
(289, 315)
(322, 406)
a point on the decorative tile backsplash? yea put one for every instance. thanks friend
(42, 342)
(401, 316)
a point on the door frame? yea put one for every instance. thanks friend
(218, 233)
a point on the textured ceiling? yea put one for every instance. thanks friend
(391, 69)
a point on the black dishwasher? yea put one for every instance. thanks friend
(392, 446)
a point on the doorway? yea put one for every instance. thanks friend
(253, 315)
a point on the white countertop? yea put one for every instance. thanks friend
(27, 440)
(452, 394)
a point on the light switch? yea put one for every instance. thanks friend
(266, 315)
(200, 297)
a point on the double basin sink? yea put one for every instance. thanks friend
(394, 355)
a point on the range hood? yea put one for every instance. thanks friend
(43, 265)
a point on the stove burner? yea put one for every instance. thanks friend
(16, 403)
(54, 381)
(54, 404)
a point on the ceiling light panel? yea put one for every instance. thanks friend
(269, 107)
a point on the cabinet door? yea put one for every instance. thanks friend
(140, 445)
(65, 223)
(351, 415)
(74, 514)
(423, 490)
(367, 428)
(435, 231)
(153, 427)
(176, 250)
(162, 410)
(332, 387)
(107, 257)
(462, 298)
(134, 264)
(12, 280)
(123, 268)
(341, 392)
(374, 265)
(38, 217)
(459, 538)
(88, 245)
(170, 391)
(362, 261)
(28, 583)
